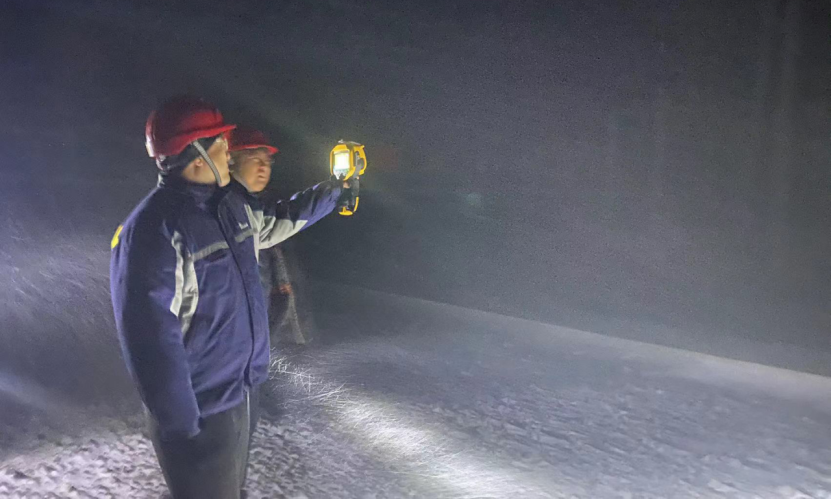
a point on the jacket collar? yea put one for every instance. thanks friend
(199, 192)
(239, 186)
(238, 179)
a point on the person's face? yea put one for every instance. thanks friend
(255, 169)
(218, 152)
(199, 171)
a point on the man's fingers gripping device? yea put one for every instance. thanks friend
(347, 162)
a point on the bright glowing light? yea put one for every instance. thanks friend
(341, 166)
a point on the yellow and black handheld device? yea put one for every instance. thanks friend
(347, 162)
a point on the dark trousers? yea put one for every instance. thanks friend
(213, 464)
(278, 307)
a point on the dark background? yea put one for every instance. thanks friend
(654, 169)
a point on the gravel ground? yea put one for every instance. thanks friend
(438, 401)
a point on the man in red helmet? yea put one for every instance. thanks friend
(251, 164)
(189, 308)
(251, 158)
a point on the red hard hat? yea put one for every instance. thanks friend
(180, 121)
(248, 138)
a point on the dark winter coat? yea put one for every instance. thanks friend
(189, 307)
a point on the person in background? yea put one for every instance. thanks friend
(252, 160)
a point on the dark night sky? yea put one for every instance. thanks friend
(649, 161)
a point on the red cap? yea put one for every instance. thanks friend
(249, 138)
(180, 121)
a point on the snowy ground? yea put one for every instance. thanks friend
(414, 399)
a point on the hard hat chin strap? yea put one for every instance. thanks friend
(204, 154)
